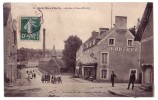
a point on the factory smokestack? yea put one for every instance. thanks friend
(44, 42)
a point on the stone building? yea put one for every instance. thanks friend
(109, 50)
(145, 36)
(53, 64)
(10, 44)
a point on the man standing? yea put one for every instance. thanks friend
(113, 76)
(131, 80)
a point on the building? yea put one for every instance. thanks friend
(109, 50)
(10, 45)
(53, 64)
(33, 63)
(145, 36)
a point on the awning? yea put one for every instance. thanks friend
(89, 64)
(144, 67)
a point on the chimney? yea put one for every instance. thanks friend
(94, 33)
(44, 42)
(121, 22)
(103, 30)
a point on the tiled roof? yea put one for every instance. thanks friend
(55, 62)
(105, 34)
(91, 38)
(61, 63)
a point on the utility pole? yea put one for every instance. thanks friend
(111, 13)
(44, 42)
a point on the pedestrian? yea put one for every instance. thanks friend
(34, 75)
(131, 80)
(28, 79)
(113, 76)
(52, 79)
(27, 71)
(48, 76)
(59, 79)
(43, 78)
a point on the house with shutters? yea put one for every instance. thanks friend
(109, 50)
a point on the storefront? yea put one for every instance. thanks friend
(89, 71)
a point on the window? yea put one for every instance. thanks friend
(111, 42)
(130, 43)
(104, 58)
(93, 42)
(90, 44)
(104, 73)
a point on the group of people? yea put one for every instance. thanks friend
(132, 79)
(30, 75)
(47, 78)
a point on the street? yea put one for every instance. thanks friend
(70, 87)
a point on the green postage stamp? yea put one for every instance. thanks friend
(29, 28)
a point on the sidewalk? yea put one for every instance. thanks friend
(81, 80)
(121, 90)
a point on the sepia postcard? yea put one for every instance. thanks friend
(88, 49)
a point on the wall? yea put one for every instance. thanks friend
(147, 43)
(10, 50)
(147, 55)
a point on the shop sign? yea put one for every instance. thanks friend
(130, 49)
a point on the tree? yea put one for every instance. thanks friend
(133, 30)
(72, 44)
(22, 54)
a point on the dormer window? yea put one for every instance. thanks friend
(93, 42)
(111, 42)
(90, 44)
(86, 46)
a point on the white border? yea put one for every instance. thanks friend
(92, 98)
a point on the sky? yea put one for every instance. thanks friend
(60, 23)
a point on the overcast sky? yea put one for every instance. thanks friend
(61, 23)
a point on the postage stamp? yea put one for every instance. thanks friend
(29, 28)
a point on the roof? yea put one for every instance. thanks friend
(99, 37)
(56, 62)
(52, 66)
(105, 34)
(45, 59)
(144, 21)
(6, 12)
(61, 63)
(92, 37)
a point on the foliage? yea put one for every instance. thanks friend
(133, 30)
(72, 44)
(25, 54)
